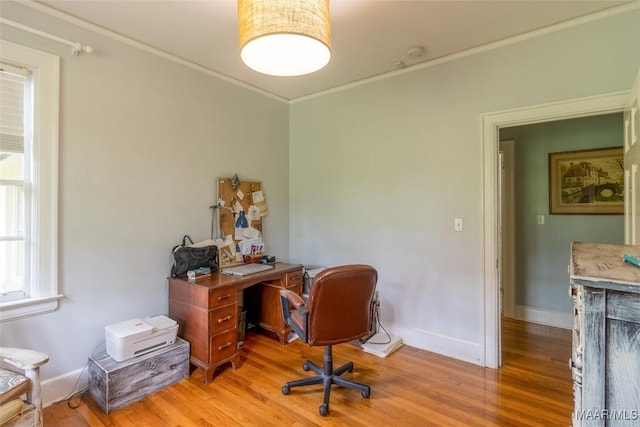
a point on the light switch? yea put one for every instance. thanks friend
(457, 224)
(540, 219)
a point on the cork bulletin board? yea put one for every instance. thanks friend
(235, 195)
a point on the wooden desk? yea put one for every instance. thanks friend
(207, 312)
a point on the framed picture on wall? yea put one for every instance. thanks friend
(587, 182)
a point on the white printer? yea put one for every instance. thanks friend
(135, 337)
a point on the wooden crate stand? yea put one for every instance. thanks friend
(114, 385)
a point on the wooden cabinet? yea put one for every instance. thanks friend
(206, 310)
(605, 359)
(207, 318)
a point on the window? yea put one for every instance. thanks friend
(29, 84)
(14, 86)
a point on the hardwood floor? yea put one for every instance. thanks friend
(411, 387)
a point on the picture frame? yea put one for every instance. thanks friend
(587, 182)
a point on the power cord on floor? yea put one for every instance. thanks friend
(78, 395)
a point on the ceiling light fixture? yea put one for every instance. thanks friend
(284, 37)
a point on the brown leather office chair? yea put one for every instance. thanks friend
(338, 310)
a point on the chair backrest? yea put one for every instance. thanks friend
(340, 304)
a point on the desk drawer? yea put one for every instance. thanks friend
(294, 278)
(223, 319)
(223, 345)
(223, 296)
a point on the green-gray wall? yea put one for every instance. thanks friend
(379, 171)
(542, 251)
(371, 173)
(142, 141)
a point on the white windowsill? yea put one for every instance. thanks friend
(13, 310)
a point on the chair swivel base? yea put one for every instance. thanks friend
(327, 376)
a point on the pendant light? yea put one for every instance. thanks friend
(284, 37)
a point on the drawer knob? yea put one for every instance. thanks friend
(224, 319)
(224, 297)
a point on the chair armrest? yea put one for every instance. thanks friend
(295, 299)
(23, 358)
(287, 298)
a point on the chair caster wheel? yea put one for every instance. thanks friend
(305, 366)
(323, 410)
(286, 389)
(365, 393)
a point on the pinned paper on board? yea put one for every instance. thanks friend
(226, 250)
(238, 198)
(250, 233)
(254, 213)
(251, 246)
(262, 208)
(235, 182)
(257, 196)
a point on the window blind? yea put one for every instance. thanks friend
(12, 83)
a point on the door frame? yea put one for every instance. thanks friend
(491, 124)
(507, 233)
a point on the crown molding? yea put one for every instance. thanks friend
(484, 48)
(634, 5)
(47, 10)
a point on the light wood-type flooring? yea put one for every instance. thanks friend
(411, 387)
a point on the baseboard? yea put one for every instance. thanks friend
(558, 319)
(436, 343)
(62, 387)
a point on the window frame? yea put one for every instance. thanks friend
(43, 245)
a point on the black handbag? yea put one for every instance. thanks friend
(187, 258)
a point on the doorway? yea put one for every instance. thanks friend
(534, 241)
(492, 123)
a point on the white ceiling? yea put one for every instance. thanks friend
(368, 36)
